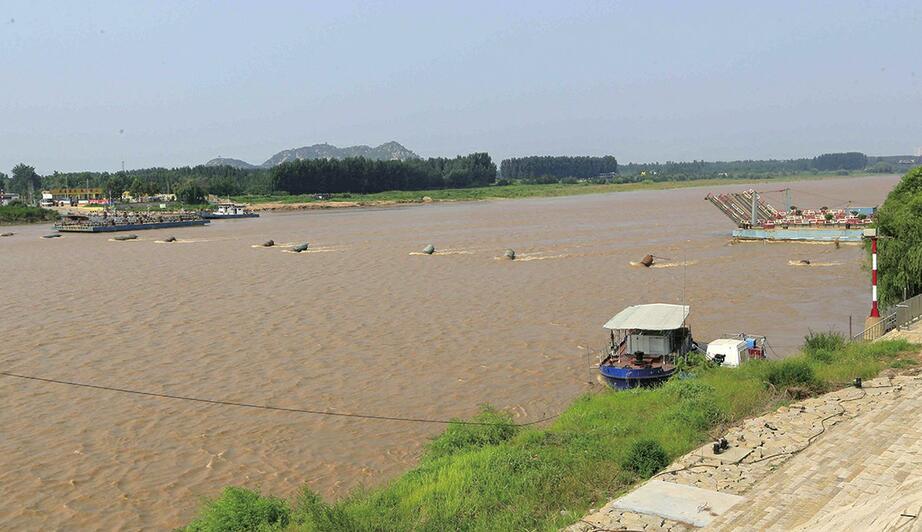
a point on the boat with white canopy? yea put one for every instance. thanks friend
(645, 341)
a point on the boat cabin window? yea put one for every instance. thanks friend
(652, 343)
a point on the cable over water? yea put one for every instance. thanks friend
(268, 407)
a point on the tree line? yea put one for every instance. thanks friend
(583, 167)
(354, 175)
(360, 175)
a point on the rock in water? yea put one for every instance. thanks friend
(170, 239)
(53, 235)
(6, 234)
(268, 243)
(510, 254)
(805, 261)
(300, 247)
(125, 237)
(429, 250)
(647, 261)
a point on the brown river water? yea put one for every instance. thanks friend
(361, 324)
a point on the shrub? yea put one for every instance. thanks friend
(645, 458)
(497, 427)
(312, 513)
(823, 346)
(240, 509)
(791, 372)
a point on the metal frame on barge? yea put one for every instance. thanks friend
(81, 223)
(758, 220)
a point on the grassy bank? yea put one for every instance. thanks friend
(18, 213)
(514, 191)
(503, 477)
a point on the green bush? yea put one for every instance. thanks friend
(497, 427)
(242, 510)
(646, 458)
(312, 513)
(791, 372)
(823, 346)
(828, 341)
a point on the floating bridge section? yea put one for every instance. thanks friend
(739, 206)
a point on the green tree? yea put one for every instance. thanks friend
(4, 182)
(191, 193)
(899, 223)
(25, 181)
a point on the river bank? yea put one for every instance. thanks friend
(841, 461)
(498, 192)
(503, 477)
(19, 214)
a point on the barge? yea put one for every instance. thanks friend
(126, 221)
(645, 341)
(758, 220)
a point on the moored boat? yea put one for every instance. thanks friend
(735, 350)
(226, 211)
(645, 341)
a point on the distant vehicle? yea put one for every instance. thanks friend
(228, 211)
(735, 351)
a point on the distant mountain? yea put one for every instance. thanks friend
(389, 151)
(236, 163)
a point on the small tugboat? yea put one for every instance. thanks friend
(649, 339)
(226, 211)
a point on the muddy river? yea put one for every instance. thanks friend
(360, 323)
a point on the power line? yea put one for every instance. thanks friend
(268, 407)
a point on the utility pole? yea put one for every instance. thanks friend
(871, 324)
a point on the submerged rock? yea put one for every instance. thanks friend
(268, 243)
(53, 235)
(170, 239)
(509, 254)
(300, 247)
(429, 250)
(125, 237)
(647, 261)
(804, 261)
(6, 234)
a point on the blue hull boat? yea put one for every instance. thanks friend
(624, 378)
(649, 340)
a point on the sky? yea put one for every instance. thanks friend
(87, 85)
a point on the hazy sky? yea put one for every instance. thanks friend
(85, 85)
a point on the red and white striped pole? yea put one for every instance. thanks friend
(874, 312)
